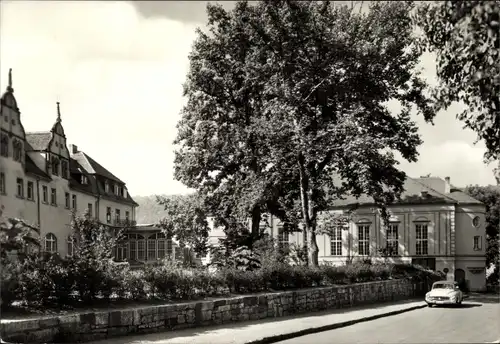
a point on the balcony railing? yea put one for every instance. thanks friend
(124, 223)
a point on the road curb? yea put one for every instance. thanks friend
(286, 336)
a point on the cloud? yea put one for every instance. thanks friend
(118, 76)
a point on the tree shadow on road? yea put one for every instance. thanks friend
(483, 298)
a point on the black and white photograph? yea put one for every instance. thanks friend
(249, 172)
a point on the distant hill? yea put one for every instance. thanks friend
(149, 211)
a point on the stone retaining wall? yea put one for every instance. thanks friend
(101, 325)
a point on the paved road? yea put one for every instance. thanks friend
(476, 321)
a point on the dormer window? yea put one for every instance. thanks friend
(55, 166)
(106, 187)
(117, 190)
(84, 180)
(124, 192)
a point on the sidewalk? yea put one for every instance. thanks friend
(275, 329)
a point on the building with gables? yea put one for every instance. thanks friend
(43, 180)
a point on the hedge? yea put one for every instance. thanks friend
(52, 282)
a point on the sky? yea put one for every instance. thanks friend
(117, 69)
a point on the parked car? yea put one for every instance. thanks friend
(444, 293)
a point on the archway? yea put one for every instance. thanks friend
(459, 275)
(460, 279)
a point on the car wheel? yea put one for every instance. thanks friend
(430, 305)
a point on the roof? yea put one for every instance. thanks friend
(412, 194)
(76, 170)
(32, 168)
(93, 167)
(39, 141)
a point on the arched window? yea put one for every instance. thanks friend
(55, 166)
(50, 243)
(17, 147)
(4, 145)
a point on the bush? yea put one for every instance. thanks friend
(10, 287)
(42, 280)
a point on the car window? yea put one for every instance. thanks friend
(443, 286)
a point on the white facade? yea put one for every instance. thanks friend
(43, 182)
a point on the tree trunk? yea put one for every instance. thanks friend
(256, 217)
(308, 214)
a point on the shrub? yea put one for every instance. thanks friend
(333, 274)
(10, 287)
(134, 284)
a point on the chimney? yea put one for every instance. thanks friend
(73, 149)
(447, 186)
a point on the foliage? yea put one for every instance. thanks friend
(16, 235)
(186, 221)
(92, 259)
(490, 196)
(272, 115)
(465, 35)
(40, 278)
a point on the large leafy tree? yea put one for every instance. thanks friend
(185, 220)
(221, 153)
(490, 196)
(465, 35)
(318, 78)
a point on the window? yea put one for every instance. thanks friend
(336, 242)
(108, 214)
(117, 188)
(392, 239)
(106, 187)
(20, 187)
(364, 240)
(71, 246)
(157, 244)
(136, 247)
(4, 145)
(169, 248)
(66, 200)
(29, 192)
(283, 237)
(55, 166)
(3, 190)
(161, 243)
(50, 243)
(141, 249)
(44, 194)
(421, 233)
(89, 209)
(117, 216)
(477, 243)
(64, 168)
(73, 202)
(132, 255)
(53, 197)
(84, 180)
(476, 221)
(121, 252)
(152, 247)
(17, 148)
(127, 216)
